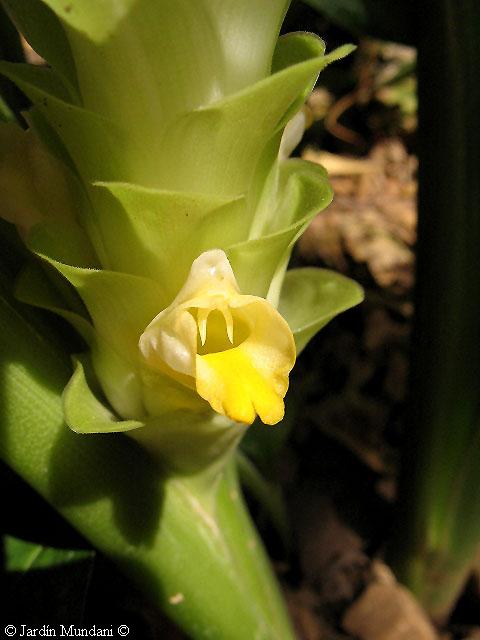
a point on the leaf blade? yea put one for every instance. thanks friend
(311, 297)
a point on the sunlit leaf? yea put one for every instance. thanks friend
(84, 413)
(311, 297)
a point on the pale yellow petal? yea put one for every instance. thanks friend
(202, 318)
(227, 314)
(171, 339)
(210, 275)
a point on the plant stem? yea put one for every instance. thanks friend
(438, 531)
(188, 544)
(211, 561)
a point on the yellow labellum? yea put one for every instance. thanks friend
(235, 350)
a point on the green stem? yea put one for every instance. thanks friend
(439, 520)
(211, 573)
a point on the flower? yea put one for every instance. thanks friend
(174, 207)
(235, 350)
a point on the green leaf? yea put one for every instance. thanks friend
(44, 583)
(34, 288)
(37, 121)
(119, 382)
(35, 21)
(84, 413)
(256, 261)
(41, 80)
(158, 234)
(64, 242)
(227, 139)
(201, 52)
(120, 305)
(248, 38)
(22, 556)
(304, 191)
(99, 150)
(295, 48)
(311, 297)
(95, 19)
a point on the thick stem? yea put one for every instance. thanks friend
(213, 577)
(439, 523)
(187, 541)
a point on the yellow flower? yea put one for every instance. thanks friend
(235, 350)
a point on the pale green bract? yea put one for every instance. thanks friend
(167, 130)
